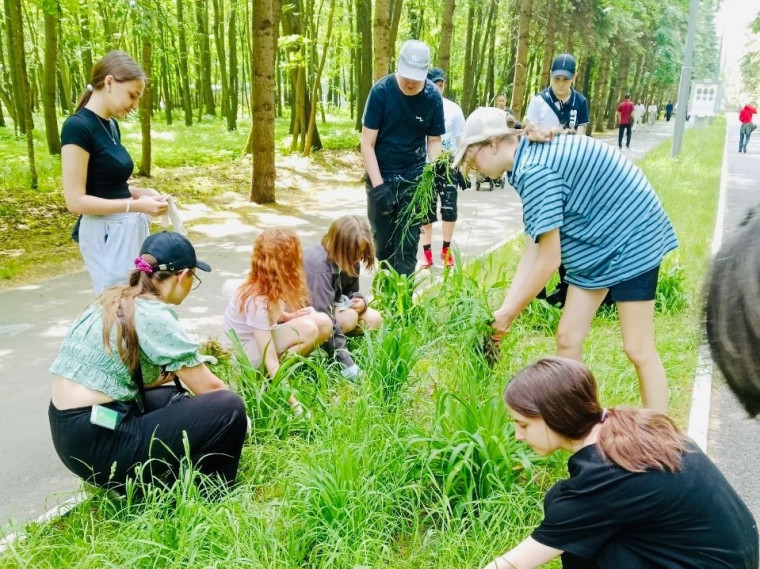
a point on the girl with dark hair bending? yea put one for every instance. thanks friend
(110, 410)
(96, 166)
(640, 493)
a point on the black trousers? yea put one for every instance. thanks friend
(627, 129)
(215, 424)
(396, 239)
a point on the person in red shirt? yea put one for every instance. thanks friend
(625, 111)
(745, 117)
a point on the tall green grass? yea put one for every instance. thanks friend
(414, 464)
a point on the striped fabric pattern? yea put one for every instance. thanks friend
(612, 224)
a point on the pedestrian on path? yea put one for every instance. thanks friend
(640, 492)
(332, 274)
(96, 167)
(747, 126)
(401, 130)
(651, 115)
(269, 313)
(639, 110)
(446, 190)
(560, 107)
(585, 205)
(731, 312)
(625, 111)
(669, 111)
(111, 409)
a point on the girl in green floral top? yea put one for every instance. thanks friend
(113, 398)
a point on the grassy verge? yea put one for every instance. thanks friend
(415, 466)
(36, 226)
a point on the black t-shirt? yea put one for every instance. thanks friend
(403, 123)
(110, 165)
(606, 517)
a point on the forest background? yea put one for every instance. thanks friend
(271, 77)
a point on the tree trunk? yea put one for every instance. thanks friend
(145, 106)
(265, 26)
(183, 68)
(207, 93)
(523, 37)
(13, 34)
(84, 23)
(18, 62)
(551, 25)
(447, 30)
(598, 108)
(317, 78)
(232, 111)
(363, 58)
(48, 91)
(221, 53)
(381, 36)
(65, 95)
(620, 84)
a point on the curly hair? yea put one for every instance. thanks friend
(277, 272)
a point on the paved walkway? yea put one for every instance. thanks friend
(35, 318)
(733, 437)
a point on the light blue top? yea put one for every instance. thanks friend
(164, 345)
(611, 223)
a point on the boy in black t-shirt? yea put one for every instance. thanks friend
(401, 128)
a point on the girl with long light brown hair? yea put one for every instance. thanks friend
(640, 493)
(116, 402)
(270, 311)
(332, 273)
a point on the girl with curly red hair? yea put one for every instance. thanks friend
(270, 312)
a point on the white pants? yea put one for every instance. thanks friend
(110, 244)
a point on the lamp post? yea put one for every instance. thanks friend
(685, 84)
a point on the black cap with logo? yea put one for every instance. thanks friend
(564, 66)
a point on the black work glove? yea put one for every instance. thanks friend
(462, 181)
(384, 198)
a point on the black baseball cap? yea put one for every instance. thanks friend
(173, 252)
(563, 65)
(436, 74)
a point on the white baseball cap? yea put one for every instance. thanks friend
(482, 124)
(413, 60)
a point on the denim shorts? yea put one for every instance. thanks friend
(639, 288)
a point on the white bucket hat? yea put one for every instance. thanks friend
(482, 124)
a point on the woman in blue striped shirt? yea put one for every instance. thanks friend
(591, 208)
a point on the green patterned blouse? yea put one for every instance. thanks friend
(164, 345)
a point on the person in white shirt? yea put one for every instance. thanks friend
(447, 192)
(651, 114)
(638, 114)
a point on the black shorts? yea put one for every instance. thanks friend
(447, 194)
(640, 287)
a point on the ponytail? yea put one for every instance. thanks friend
(118, 306)
(638, 440)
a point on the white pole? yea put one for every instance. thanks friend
(685, 84)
